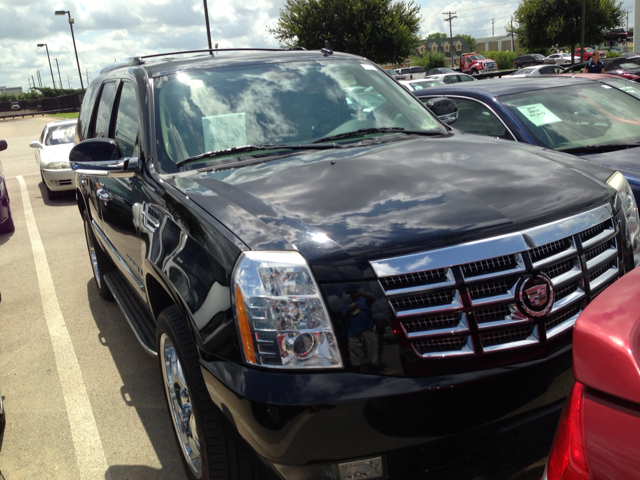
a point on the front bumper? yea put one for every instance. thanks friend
(487, 423)
(57, 180)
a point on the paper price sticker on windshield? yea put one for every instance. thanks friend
(366, 66)
(58, 134)
(539, 114)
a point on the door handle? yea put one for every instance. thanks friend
(103, 195)
(149, 222)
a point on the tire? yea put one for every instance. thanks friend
(7, 226)
(519, 67)
(100, 263)
(474, 72)
(209, 446)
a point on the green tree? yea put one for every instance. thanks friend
(384, 31)
(542, 24)
(436, 36)
(470, 41)
(431, 60)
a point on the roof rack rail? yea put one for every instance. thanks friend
(127, 62)
(215, 50)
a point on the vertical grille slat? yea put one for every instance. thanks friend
(481, 309)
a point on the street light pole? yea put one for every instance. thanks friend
(59, 77)
(62, 12)
(50, 68)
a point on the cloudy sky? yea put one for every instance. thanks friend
(114, 29)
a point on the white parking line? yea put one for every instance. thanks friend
(24, 175)
(84, 431)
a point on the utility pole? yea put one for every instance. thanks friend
(87, 70)
(584, 14)
(513, 47)
(206, 18)
(451, 16)
(493, 30)
(68, 82)
(34, 82)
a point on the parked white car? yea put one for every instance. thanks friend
(52, 155)
(537, 71)
(450, 78)
(560, 59)
(421, 83)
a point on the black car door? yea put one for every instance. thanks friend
(117, 196)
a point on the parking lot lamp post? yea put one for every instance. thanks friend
(50, 68)
(59, 77)
(206, 17)
(62, 12)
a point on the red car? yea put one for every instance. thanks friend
(598, 436)
(588, 53)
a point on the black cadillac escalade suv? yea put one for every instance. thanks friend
(336, 284)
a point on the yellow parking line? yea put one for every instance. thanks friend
(84, 431)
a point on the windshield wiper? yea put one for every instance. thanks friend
(605, 147)
(365, 131)
(254, 148)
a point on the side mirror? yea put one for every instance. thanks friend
(101, 157)
(3, 145)
(35, 144)
(444, 108)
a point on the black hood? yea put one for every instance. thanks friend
(343, 207)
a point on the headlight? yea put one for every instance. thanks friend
(628, 204)
(1, 187)
(57, 165)
(281, 316)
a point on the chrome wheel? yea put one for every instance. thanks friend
(180, 404)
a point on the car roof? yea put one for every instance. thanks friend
(504, 86)
(58, 123)
(163, 64)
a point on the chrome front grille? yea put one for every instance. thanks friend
(470, 302)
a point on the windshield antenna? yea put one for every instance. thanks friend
(326, 51)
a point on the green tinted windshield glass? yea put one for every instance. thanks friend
(283, 103)
(577, 115)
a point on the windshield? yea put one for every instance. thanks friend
(60, 134)
(277, 104)
(577, 116)
(478, 57)
(632, 88)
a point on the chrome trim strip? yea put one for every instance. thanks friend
(568, 227)
(462, 326)
(467, 349)
(531, 340)
(568, 300)
(604, 257)
(502, 323)
(575, 272)
(421, 288)
(456, 304)
(508, 244)
(566, 325)
(572, 250)
(521, 268)
(124, 312)
(510, 295)
(602, 237)
(604, 278)
(115, 253)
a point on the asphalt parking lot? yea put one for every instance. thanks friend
(83, 400)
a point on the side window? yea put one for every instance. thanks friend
(84, 119)
(450, 79)
(103, 118)
(474, 117)
(126, 132)
(465, 78)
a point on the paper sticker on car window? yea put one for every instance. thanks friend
(539, 114)
(366, 66)
(224, 131)
(58, 134)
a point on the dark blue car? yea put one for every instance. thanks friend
(579, 116)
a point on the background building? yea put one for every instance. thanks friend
(11, 90)
(497, 44)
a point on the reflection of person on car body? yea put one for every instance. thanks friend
(363, 339)
(594, 65)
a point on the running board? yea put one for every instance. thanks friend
(137, 314)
